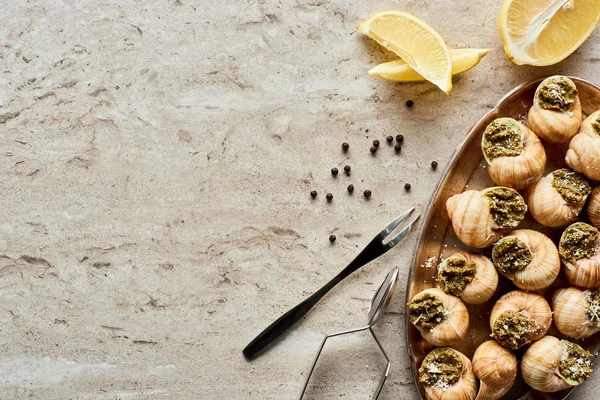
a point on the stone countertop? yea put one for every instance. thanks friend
(156, 163)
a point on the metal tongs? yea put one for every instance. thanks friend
(374, 249)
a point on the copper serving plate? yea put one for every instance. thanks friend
(468, 170)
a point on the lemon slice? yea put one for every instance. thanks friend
(415, 42)
(544, 32)
(399, 71)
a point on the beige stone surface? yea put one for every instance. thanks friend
(156, 159)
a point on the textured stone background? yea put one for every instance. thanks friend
(156, 159)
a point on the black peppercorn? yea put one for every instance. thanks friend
(407, 186)
(376, 143)
(367, 193)
(350, 188)
(399, 138)
(345, 146)
(389, 139)
(347, 169)
(398, 147)
(434, 164)
(313, 194)
(332, 238)
(329, 196)
(373, 149)
(409, 103)
(334, 171)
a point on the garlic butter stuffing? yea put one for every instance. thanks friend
(584, 150)
(555, 115)
(577, 312)
(579, 250)
(470, 276)
(447, 374)
(515, 155)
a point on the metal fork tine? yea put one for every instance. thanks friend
(392, 225)
(402, 234)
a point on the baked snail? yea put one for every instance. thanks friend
(441, 318)
(520, 317)
(577, 312)
(496, 369)
(515, 155)
(579, 250)
(584, 150)
(480, 217)
(447, 374)
(528, 258)
(555, 115)
(472, 277)
(558, 198)
(593, 210)
(550, 365)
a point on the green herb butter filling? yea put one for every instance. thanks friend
(456, 273)
(511, 255)
(506, 206)
(579, 240)
(592, 307)
(502, 139)
(441, 368)
(426, 311)
(572, 187)
(575, 363)
(511, 329)
(596, 125)
(557, 94)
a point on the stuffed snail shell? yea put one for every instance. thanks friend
(496, 368)
(555, 115)
(593, 210)
(528, 258)
(442, 319)
(550, 365)
(472, 277)
(515, 155)
(519, 318)
(577, 312)
(584, 150)
(579, 250)
(480, 217)
(558, 198)
(447, 374)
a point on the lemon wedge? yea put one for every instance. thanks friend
(544, 32)
(399, 71)
(415, 42)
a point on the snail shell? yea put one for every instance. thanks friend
(454, 326)
(484, 283)
(576, 312)
(521, 170)
(584, 150)
(554, 126)
(548, 206)
(531, 305)
(496, 369)
(472, 217)
(540, 365)
(584, 271)
(464, 389)
(593, 210)
(544, 267)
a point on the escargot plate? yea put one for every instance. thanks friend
(467, 171)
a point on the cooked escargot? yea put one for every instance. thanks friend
(447, 374)
(556, 112)
(520, 317)
(579, 250)
(496, 369)
(528, 258)
(480, 217)
(470, 276)
(558, 198)
(577, 312)
(515, 155)
(584, 150)
(593, 210)
(550, 365)
(441, 318)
